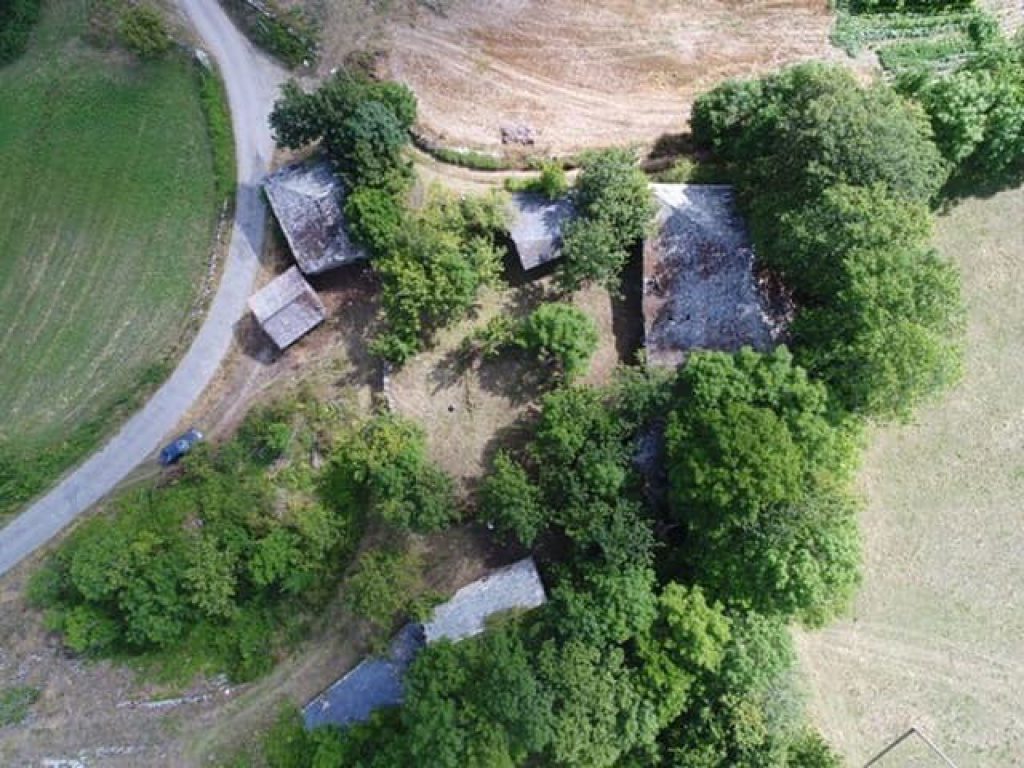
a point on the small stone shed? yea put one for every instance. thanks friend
(307, 199)
(378, 682)
(536, 227)
(699, 286)
(287, 308)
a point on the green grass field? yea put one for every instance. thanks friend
(107, 207)
(937, 634)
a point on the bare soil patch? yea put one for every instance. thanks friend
(584, 73)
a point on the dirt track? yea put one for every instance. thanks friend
(587, 74)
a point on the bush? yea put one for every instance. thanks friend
(214, 102)
(381, 587)
(17, 18)
(374, 218)
(144, 32)
(441, 259)
(561, 335)
(384, 466)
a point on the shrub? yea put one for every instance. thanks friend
(561, 335)
(384, 466)
(144, 32)
(381, 586)
(15, 703)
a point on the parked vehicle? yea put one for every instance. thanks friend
(172, 452)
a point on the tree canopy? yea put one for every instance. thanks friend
(362, 123)
(614, 211)
(758, 465)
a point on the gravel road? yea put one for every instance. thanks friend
(252, 81)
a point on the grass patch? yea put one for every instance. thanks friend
(937, 624)
(15, 702)
(214, 100)
(107, 208)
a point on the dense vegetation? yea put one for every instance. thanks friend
(291, 34)
(633, 661)
(614, 211)
(228, 560)
(836, 180)
(17, 18)
(977, 112)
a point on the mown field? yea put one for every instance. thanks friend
(107, 207)
(935, 636)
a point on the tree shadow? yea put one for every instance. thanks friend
(965, 186)
(627, 309)
(254, 342)
(352, 297)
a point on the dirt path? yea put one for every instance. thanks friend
(252, 81)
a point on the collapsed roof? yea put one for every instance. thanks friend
(699, 287)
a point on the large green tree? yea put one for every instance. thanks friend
(791, 135)
(758, 463)
(614, 208)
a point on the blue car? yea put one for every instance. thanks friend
(182, 445)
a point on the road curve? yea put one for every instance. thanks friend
(252, 81)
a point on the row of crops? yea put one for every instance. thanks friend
(910, 39)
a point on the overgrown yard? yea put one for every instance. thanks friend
(107, 207)
(935, 636)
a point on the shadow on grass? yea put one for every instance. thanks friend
(976, 185)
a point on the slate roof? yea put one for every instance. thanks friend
(537, 225)
(378, 682)
(374, 683)
(699, 288)
(287, 308)
(307, 200)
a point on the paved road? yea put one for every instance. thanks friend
(252, 81)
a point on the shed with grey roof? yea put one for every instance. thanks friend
(536, 227)
(699, 286)
(287, 308)
(308, 199)
(378, 682)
